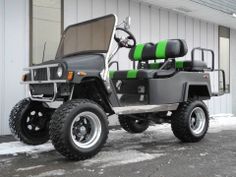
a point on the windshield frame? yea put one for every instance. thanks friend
(87, 51)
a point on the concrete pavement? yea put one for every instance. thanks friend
(155, 153)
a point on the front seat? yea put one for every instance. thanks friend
(145, 52)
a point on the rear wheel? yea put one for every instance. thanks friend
(133, 125)
(191, 121)
(79, 129)
(29, 122)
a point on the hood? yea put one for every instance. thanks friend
(80, 62)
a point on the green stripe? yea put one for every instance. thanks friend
(154, 65)
(179, 64)
(138, 51)
(161, 49)
(132, 74)
(111, 74)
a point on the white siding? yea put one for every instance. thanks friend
(123, 10)
(2, 53)
(233, 71)
(13, 55)
(150, 24)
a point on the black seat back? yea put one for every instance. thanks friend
(172, 48)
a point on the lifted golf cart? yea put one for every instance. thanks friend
(158, 89)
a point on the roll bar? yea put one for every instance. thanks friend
(203, 51)
(223, 76)
(212, 69)
(114, 62)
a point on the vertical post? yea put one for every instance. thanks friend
(133, 64)
(203, 55)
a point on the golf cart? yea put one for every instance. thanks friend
(159, 89)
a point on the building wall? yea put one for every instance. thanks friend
(148, 24)
(151, 24)
(46, 30)
(13, 55)
(232, 68)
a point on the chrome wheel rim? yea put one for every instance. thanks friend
(86, 130)
(197, 121)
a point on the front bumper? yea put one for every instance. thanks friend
(48, 86)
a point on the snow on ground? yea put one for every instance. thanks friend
(114, 158)
(30, 168)
(59, 172)
(219, 124)
(126, 148)
(16, 147)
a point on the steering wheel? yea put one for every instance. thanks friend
(125, 42)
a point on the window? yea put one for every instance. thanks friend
(224, 56)
(46, 27)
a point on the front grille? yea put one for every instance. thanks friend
(45, 89)
(40, 74)
(44, 73)
(53, 73)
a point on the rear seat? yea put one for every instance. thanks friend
(173, 48)
(186, 65)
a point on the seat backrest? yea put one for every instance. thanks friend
(172, 48)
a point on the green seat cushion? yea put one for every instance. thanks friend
(161, 50)
(138, 52)
(142, 52)
(132, 74)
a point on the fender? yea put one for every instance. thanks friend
(202, 90)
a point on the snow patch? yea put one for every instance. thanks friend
(59, 172)
(14, 148)
(180, 149)
(84, 169)
(149, 135)
(219, 124)
(116, 158)
(30, 168)
(221, 115)
(5, 162)
(203, 154)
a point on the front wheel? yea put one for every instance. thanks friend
(79, 129)
(190, 121)
(29, 122)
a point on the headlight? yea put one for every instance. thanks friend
(59, 71)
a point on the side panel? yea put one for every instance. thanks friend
(113, 96)
(131, 92)
(173, 90)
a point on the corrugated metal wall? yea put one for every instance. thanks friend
(13, 55)
(2, 19)
(233, 70)
(148, 24)
(151, 24)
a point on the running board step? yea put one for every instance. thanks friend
(145, 109)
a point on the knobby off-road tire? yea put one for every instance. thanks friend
(191, 121)
(133, 125)
(29, 122)
(79, 129)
